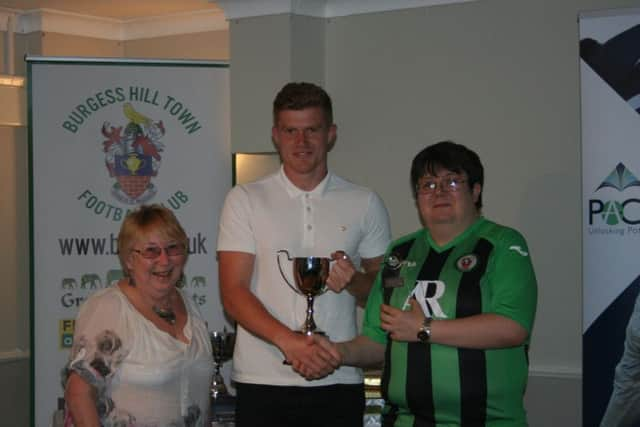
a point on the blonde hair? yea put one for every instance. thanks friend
(144, 220)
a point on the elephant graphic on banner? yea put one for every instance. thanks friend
(91, 279)
(69, 283)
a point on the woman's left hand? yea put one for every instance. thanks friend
(402, 325)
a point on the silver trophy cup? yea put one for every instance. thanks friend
(222, 348)
(309, 276)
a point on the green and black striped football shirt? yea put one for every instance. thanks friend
(487, 269)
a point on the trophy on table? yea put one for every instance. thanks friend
(222, 348)
(309, 276)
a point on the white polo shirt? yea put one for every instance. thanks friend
(266, 216)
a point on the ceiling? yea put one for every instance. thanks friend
(117, 9)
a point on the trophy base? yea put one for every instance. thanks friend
(223, 410)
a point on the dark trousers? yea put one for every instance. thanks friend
(339, 405)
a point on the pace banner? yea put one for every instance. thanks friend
(105, 136)
(610, 106)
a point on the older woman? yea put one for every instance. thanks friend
(141, 354)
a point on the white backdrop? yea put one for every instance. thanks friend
(105, 136)
(610, 84)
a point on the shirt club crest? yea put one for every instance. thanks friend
(133, 156)
(467, 262)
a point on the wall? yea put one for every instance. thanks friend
(212, 45)
(14, 228)
(264, 47)
(56, 44)
(14, 288)
(208, 45)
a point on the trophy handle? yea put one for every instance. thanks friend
(280, 252)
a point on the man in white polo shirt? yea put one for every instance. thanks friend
(308, 211)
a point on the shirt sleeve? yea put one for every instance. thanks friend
(235, 232)
(513, 280)
(100, 342)
(377, 231)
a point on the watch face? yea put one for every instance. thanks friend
(423, 336)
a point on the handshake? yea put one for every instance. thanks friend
(312, 356)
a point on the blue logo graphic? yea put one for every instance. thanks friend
(620, 179)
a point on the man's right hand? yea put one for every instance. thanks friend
(312, 356)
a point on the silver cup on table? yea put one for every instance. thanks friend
(222, 343)
(309, 275)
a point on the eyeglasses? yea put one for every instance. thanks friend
(153, 252)
(447, 184)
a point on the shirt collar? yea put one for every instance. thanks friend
(294, 191)
(456, 239)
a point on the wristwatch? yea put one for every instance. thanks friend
(424, 333)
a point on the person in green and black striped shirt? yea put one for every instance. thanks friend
(451, 313)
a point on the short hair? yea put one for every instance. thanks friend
(144, 220)
(301, 95)
(451, 156)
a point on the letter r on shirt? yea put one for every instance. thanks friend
(427, 293)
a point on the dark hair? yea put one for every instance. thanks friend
(298, 96)
(451, 156)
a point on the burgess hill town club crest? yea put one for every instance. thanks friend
(132, 155)
(132, 148)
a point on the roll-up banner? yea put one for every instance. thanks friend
(105, 136)
(610, 106)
